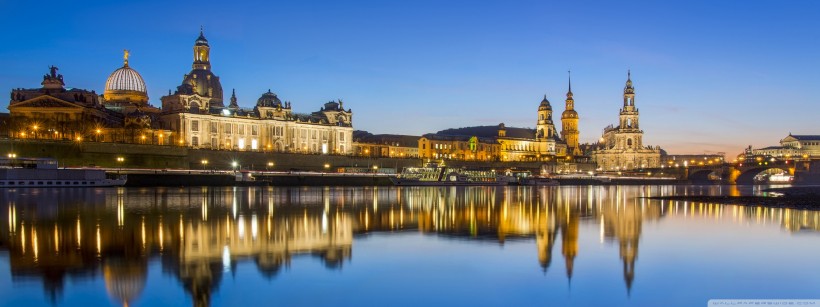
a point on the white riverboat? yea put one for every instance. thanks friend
(436, 174)
(43, 172)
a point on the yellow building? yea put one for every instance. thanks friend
(569, 124)
(385, 145)
(793, 146)
(456, 147)
(513, 144)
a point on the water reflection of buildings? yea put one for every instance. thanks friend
(202, 233)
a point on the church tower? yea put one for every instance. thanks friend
(629, 118)
(569, 124)
(201, 90)
(202, 53)
(545, 129)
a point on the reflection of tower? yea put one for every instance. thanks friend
(569, 241)
(124, 279)
(200, 279)
(623, 222)
(545, 238)
(628, 232)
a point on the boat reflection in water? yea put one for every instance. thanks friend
(199, 234)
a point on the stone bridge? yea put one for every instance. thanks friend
(740, 173)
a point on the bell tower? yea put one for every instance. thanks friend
(202, 57)
(544, 128)
(569, 123)
(629, 124)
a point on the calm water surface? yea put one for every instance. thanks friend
(561, 246)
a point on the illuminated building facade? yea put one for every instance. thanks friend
(502, 143)
(56, 112)
(458, 147)
(385, 145)
(792, 146)
(621, 147)
(193, 116)
(197, 113)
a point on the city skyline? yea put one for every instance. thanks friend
(448, 67)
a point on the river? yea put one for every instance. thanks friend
(482, 246)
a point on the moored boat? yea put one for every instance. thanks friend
(436, 174)
(43, 172)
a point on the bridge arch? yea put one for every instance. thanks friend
(747, 175)
(703, 175)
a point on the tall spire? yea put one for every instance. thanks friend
(628, 89)
(569, 88)
(233, 104)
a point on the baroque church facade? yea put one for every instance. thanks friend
(621, 147)
(193, 116)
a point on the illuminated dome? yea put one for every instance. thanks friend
(125, 85)
(545, 104)
(569, 114)
(269, 100)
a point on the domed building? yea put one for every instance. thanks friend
(199, 119)
(125, 90)
(201, 90)
(269, 106)
(125, 84)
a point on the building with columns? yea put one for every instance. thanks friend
(197, 113)
(194, 115)
(621, 147)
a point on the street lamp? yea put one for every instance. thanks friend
(327, 166)
(270, 164)
(234, 164)
(204, 163)
(120, 160)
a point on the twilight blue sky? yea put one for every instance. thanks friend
(710, 76)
